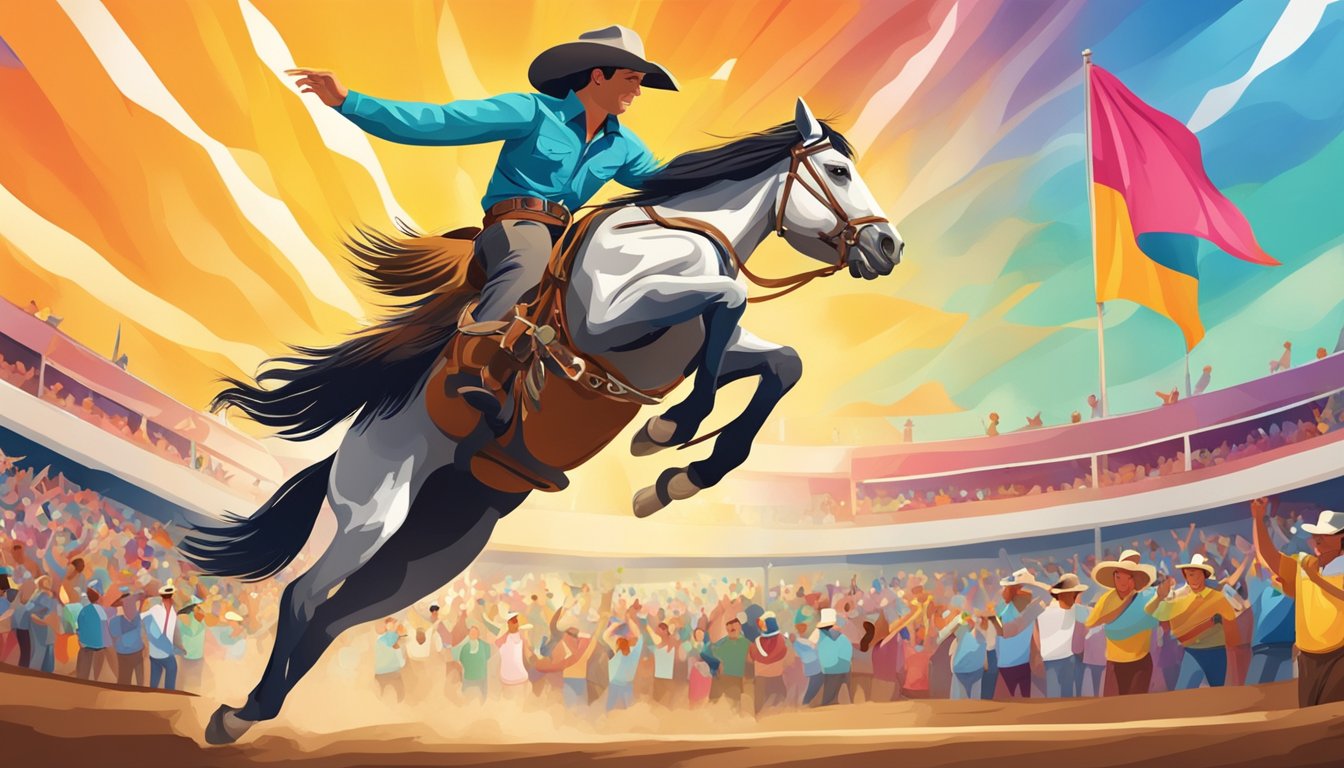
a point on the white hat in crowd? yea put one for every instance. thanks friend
(1328, 524)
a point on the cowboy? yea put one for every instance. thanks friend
(127, 630)
(1317, 583)
(559, 147)
(1060, 629)
(1125, 610)
(1203, 621)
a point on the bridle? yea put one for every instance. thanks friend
(845, 234)
(842, 237)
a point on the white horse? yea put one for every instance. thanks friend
(656, 292)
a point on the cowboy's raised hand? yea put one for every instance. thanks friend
(320, 82)
(1165, 587)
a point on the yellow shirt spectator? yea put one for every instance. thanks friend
(1189, 610)
(1129, 637)
(1320, 615)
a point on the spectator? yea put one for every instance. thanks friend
(93, 636)
(473, 655)
(666, 651)
(161, 632)
(1125, 610)
(1095, 405)
(44, 622)
(1321, 353)
(908, 431)
(1035, 421)
(1317, 584)
(1169, 398)
(768, 653)
(128, 639)
(993, 428)
(1285, 361)
(1060, 627)
(1075, 418)
(835, 653)
(191, 640)
(624, 661)
(513, 651)
(805, 648)
(1273, 634)
(1202, 620)
(731, 651)
(700, 674)
(1203, 382)
(1017, 617)
(388, 659)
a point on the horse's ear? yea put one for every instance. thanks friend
(808, 127)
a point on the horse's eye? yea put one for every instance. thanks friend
(838, 171)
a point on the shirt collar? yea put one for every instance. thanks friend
(571, 109)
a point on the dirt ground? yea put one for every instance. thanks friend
(58, 722)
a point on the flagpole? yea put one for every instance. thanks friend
(1187, 373)
(1092, 221)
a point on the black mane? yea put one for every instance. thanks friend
(737, 160)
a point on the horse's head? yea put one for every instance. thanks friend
(825, 210)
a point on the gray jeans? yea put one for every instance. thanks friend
(1061, 676)
(513, 253)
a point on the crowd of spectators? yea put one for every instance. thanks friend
(1270, 433)
(94, 589)
(1064, 624)
(89, 587)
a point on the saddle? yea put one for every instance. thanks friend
(565, 405)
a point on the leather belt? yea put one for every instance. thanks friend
(528, 208)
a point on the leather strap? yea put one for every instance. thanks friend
(789, 284)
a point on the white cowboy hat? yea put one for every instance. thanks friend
(1197, 561)
(827, 618)
(1328, 524)
(1020, 576)
(1131, 555)
(1104, 573)
(510, 616)
(232, 616)
(614, 46)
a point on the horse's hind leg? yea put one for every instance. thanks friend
(779, 368)
(427, 552)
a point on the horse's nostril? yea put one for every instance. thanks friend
(888, 246)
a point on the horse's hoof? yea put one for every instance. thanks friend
(654, 436)
(225, 726)
(673, 485)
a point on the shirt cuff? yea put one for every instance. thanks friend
(351, 104)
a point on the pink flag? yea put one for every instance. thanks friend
(1154, 161)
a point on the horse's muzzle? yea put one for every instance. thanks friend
(878, 251)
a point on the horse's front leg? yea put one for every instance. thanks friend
(779, 368)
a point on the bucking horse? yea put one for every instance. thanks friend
(641, 293)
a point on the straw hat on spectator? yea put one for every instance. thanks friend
(1104, 573)
(1068, 583)
(1328, 524)
(1020, 576)
(1131, 555)
(1199, 562)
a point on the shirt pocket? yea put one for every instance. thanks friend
(605, 165)
(552, 145)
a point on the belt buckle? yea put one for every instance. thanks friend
(533, 204)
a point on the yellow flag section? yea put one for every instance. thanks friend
(1126, 272)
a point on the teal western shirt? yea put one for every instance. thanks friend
(544, 153)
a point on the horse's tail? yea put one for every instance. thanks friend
(376, 370)
(257, 547)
